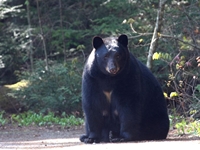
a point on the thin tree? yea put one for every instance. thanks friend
(61, 27)
(30, 47)
(42, 36)
(157, 29)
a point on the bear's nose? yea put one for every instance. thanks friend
(113, 70)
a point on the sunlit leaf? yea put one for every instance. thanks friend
(125, 21)
(130, 20)
(156, 56)
(173, 94)
(141, 40)
(165, 95)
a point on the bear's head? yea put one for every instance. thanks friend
(111, 54)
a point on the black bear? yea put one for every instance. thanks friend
(121, 99)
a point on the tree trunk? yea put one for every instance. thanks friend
(30, 48)
(42, 37)
(61, 27)
(157, 29)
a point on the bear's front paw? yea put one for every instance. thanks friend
(83, 137)
(91, 140)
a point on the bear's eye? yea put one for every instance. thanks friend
(118, 56)
(106, 56)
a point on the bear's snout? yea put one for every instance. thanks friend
(112, 68)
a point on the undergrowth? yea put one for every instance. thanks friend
(185, 125)
(31, 118)
(182, 124)
(3, 120)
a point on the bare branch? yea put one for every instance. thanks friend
(140, 34)
(168, 36)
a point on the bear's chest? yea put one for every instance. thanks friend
(106, 84)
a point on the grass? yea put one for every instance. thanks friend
(31, 118)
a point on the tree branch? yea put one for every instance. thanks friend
(172, 37)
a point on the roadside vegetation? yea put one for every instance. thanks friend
(31, 118)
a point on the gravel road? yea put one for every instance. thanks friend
(44, 138)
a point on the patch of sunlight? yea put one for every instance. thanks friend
(18, 85)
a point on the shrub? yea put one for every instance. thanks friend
(8, 102)
(56, 89)
(3, 120)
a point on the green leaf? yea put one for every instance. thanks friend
(197, 87)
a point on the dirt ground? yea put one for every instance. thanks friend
(44, 138)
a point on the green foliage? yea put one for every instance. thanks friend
(31, 118)
(176, 59)
(70, 38)
(12, 42)
(181, 126)
(198, 87)
(196, 98)
(6, 10)
(65, 28)
(56, 89)
(185, 125)
(8, 103)
(3, 120)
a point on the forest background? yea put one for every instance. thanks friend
(44, 45)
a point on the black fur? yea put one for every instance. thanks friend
(121, 98)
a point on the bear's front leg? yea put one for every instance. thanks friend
(97, 129)
(96, 110)
(93, 123)
(128, 128)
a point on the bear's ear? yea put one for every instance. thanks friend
(97, 42)
(123, 39)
